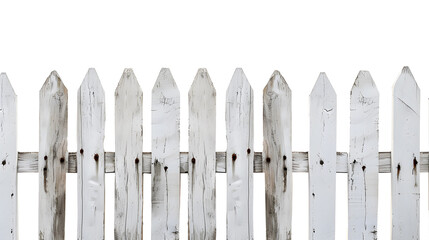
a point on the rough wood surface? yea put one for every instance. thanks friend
(165, 157)
(406, 158)
(90, 157)
(8, 158)
(277, 157)
(239, 159)
(52, 158)
(363, 159)
(202, 158)
(27, 162)
(128, 158)
(322, 159)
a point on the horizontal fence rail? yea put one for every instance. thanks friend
(27, 162)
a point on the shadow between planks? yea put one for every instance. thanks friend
(28, 162)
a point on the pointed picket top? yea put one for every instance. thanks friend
(8, 158)
(238, 81)
(405, 167)
(277, 84)
(90, 140)
(364, 83)
(202, 84)
(407, 90)
(323, 87)
(128, 82)
(6, 86)
(277, 157)
(92, 82)
(363, 158)
(53, 84)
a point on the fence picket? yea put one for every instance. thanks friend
(202, 158)
(363, 158)
(53, 157)
(9, 158)
(239, 159)
(322, 159)
(277, 157)
(90, 157)
(406, 158)
(128, 158)
(165, 157)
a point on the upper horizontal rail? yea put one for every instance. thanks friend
(27, 162)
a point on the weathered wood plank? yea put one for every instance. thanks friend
(90, 157)
(202, 158)
(8, 158)
(239, 160)
(277, 157)
(322, 159)
(165, 157)
(52, 157)
(363, 159)
(406, 158)
(128, 158)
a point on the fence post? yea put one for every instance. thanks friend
(53, 157)
(322, 159)
(165, 157)
(128, 158)
(202, 158)
(406, 158)
(363, 158)
(239, 160)
(277, 157)
(8, 157)
(90, 157)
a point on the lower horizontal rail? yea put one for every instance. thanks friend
(27, 162)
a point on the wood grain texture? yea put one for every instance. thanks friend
(27, 162)
(128, 158)
(406, 158)
(90, 157)
(165, 157)
(8, 158)
(53, 157)
(322, 159)
(202, 158)
(277, 157)
(363, 159)
(239, 157)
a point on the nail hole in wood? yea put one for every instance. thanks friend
(81, 151)
(248, 151)
(3, 162)
(193, 160)
(137, 160)
(321, 162)
(363, 168)
(62, 160)
(96, 157)
(284, 157)
(268, 160)
(234, 157)
(165, 168)
(45, 158)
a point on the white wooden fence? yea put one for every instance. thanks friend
(166, 162)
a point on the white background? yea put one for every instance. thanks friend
(300, 39)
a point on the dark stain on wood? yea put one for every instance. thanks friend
(398, 171)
